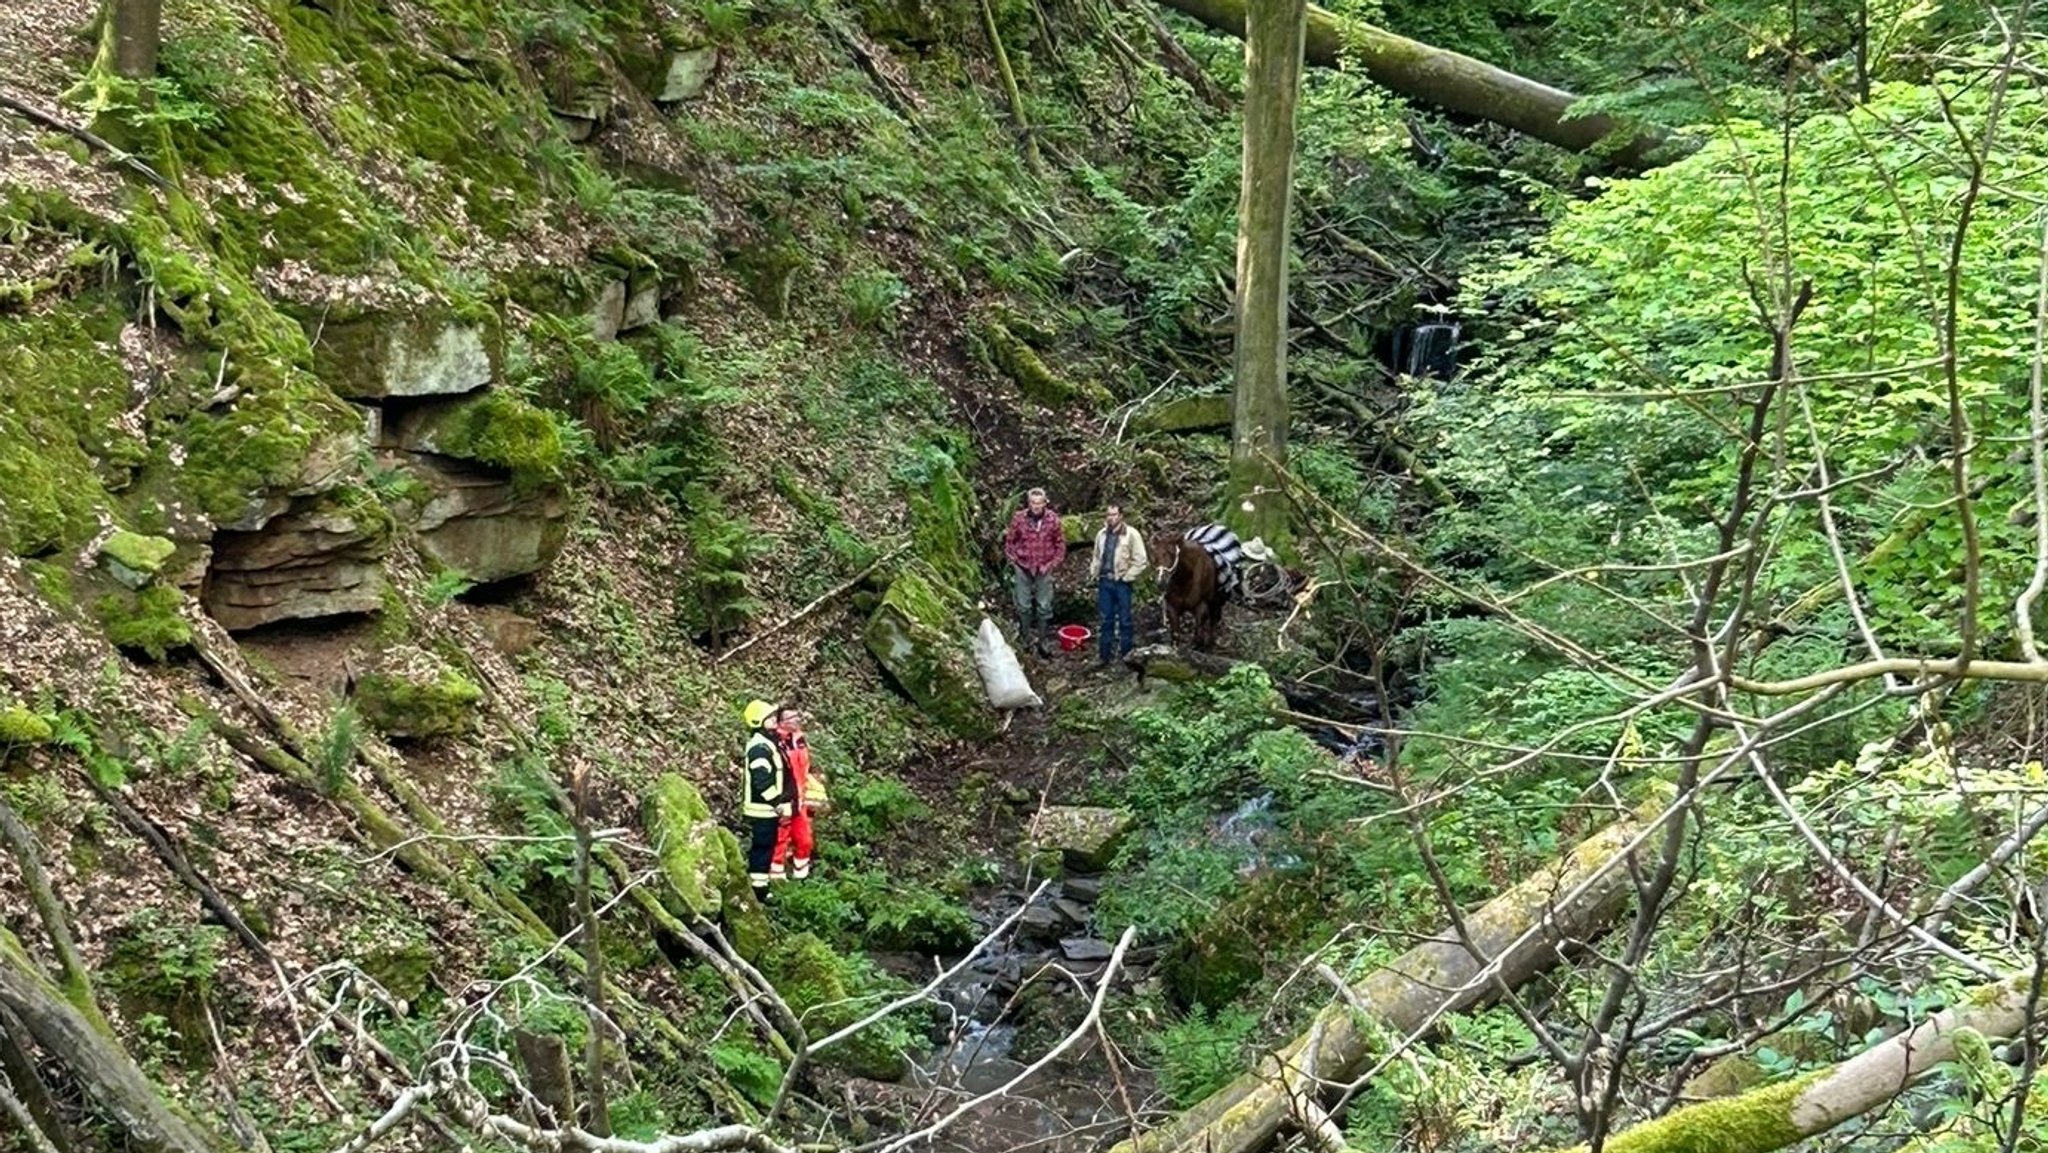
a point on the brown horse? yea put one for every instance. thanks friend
(1194, 585)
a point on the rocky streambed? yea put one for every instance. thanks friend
(1022, 994)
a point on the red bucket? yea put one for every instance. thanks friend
(1073, 637)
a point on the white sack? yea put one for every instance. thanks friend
(1001, 675)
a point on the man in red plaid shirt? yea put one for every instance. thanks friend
(1035, 545)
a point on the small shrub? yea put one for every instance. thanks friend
(1201, 1053)
(446, 585)
(722, 549)
(873, 299)
(334, 753)
(755, 1074)
(866, 807)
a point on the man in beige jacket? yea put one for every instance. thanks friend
(1119, 559)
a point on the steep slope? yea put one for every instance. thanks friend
(474, 376)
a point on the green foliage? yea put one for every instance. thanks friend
(755, 1074)
(38, 797)
(1201, 1053)
(168, 966)
(1643, 291)
(1195, 753)
(334, 751)
(523, 796)
(867, 805)
(873, 299)
(830, 991)
(444, 586)
(723, 548)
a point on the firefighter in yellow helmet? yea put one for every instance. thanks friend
(770, 790)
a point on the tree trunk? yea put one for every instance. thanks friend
(1257, 503)
(21, 1073)
(93, 1057)
(600, 1120)
(134, 32)
(1449, 80)
(546, 1060)
(1429, 979)
(1779, 1115)
(27, 856)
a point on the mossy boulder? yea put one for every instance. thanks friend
(416, 697)
(20, 725)
(820, 985)
(135, 559)
(495, 428)
(402, 966)
(702, 862)
(922, 638)
(387, 356)
(1086, 837)
(1186, 414)
(689, 71)
(146, 623)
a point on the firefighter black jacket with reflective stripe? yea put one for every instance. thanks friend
(771, 792)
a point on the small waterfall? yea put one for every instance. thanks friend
(1427, 349)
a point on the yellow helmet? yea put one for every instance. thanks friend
(756, 712)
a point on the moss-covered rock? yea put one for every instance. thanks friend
(688, 72)
(406, 356)
(496, 428)
(418, 702)
(480, 523)
(20, 725)
(1186, 414)
(702, 862)
(1086, 837)
(403, 967)
(147, 623)
(134, 559)
(62, 390)
(767, 269)
(815, 982)
(922, 639)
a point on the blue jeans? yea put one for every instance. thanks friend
(1113, 603)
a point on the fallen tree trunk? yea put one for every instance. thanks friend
(1447, 79)
(93, 1057)
(1437, 976)
(1779, 1115)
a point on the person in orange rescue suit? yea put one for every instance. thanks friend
(793, 842)
(769, 790)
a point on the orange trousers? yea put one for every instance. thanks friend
(792, 845)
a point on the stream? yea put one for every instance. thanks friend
(1013, 1003)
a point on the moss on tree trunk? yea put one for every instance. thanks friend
(1447, 79)
(1256, 503)
(1434, 977)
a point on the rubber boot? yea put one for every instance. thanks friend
(1045, 639)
